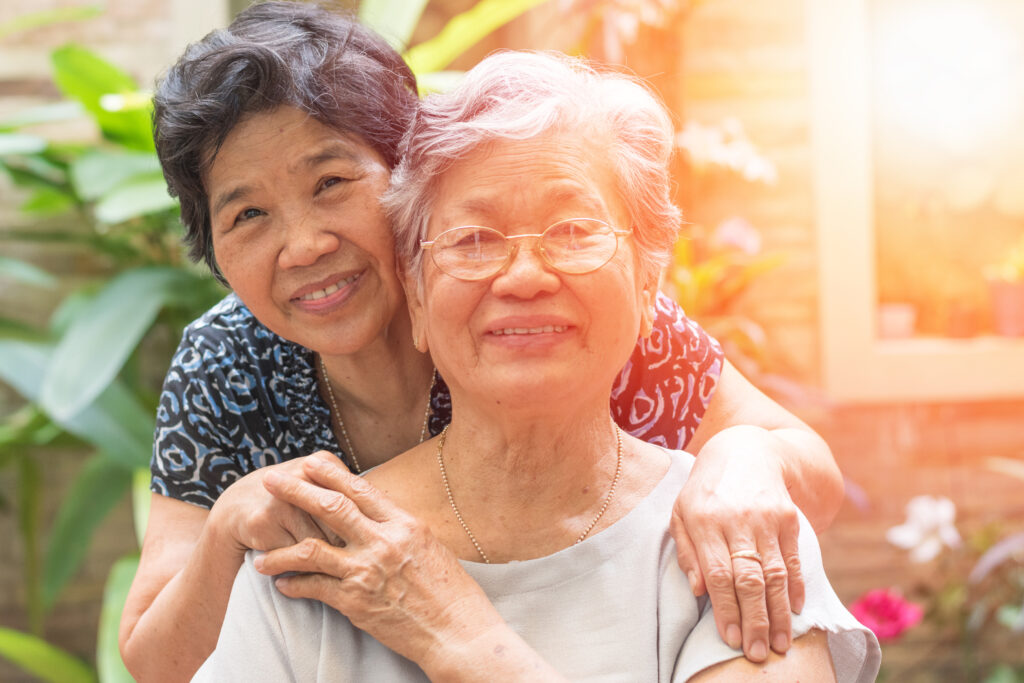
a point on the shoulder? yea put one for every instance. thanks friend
(666, 385)
(228, 324)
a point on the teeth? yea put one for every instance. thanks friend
(329, 289)
(531, 330)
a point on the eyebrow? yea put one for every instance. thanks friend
(330, 152)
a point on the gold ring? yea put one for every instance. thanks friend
(747, 555)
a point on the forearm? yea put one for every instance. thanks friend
(178, 629)
(495, 653)
(809, 470)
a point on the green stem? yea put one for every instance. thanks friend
(29, 488)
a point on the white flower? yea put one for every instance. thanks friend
(929, 526)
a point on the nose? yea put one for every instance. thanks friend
(527, 274)
(308, 235)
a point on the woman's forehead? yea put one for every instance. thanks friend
(548, 170)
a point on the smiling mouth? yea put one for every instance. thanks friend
(329, 289)
(530, 330)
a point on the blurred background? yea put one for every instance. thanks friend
(852, 174)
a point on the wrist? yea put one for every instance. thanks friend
(494, 653)
(751, 443)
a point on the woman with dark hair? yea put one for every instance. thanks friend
(278, 135)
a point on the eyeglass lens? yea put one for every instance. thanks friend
(575, 246)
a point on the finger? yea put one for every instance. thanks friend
(776, 593)
(686, 553)
(748, 579)
(332, 508)
(320, 587)
(330, 473)
(308, 556)
(789, 546)
(718, 576)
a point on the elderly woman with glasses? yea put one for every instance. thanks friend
(532, 219)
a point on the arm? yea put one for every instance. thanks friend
(805, 460)
(433, 612)
(808, 660)
(189, 560)
(755, 461)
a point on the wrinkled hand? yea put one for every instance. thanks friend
(391, 577)
(252, 517)
(736, 499)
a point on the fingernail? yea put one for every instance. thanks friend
(272, 478)
(758, 650)
(693, 582)
(733, 637)
(257, 562)
(780, 643)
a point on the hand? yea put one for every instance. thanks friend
(391, 577)
(254, 518)
(736, 499)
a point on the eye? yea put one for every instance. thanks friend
(248, 214)
(332, 181)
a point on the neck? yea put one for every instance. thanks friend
(553, 478)
(381, 393)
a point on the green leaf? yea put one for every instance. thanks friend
(141, 497)
(40, 658)
(48, 201)
(47, 113)
(395, 20)
(19, 143)
(464, 31)
(84, 76)
(108, 657)
(102, 336)
(33, 20)
(97, 489)
(25, 273)
(139, 196)
(98, 171)
(34, 171)
(26, 427)
(115, 422)
(29, 495)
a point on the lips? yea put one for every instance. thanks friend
(529, 330)
(526, 326)
(322, 290)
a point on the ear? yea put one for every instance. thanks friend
(414, 300)
(648, 295)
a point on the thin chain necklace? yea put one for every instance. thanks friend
(465, 527)
(341, 423)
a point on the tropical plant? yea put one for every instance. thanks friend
(82, 376)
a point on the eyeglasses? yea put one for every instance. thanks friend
(574, 246)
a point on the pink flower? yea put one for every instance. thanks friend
(886, 613)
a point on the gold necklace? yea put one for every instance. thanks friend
(465, 527)
(341, 423)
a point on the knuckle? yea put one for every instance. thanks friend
(719, 579)
(749, 583)
(308, 549)
(333, 503)
(775, 576)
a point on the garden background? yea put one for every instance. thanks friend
(850, 172)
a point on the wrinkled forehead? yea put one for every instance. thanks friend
(555, 172)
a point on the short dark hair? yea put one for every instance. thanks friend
(275, 53)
